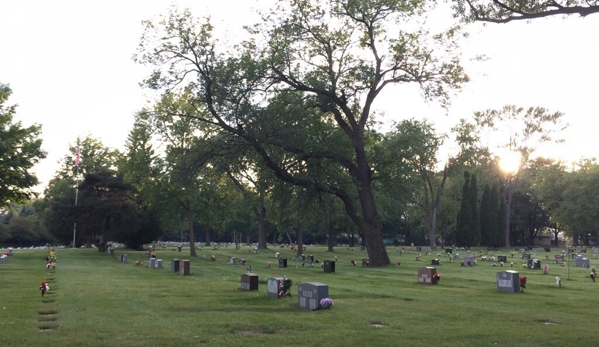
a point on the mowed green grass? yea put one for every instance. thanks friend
(99, 301)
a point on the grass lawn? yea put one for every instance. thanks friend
(96, 300)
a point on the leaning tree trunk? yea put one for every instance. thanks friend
(300, 240)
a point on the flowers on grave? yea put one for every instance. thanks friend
(137, 263)
(335, 258)
(269, 264)
(285, 286)
(353, 262)
(558, 281)
(545, 269)
(522, 283)
(418, 256)
(593, 274)
(326, 303)
(436, 277)
(399, 263)
(213, 257)
(44, 288)
(511, 264)
(501, 263)
(494, 264)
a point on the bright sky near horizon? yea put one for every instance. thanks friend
(69, 64)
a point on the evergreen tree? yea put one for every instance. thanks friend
(501, 221)
(475, 222)
(485, 217)
(496, 238)
(464, 226)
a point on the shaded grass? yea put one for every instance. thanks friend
(103, 302)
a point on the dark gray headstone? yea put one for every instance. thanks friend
(282, 262)
(329, 266)
(456, 257)
(175, 264)
(159, 263)
(428, 249)
(184, 268)
(526, 256)
(365, 262)
(435, 262)
(536, 264)
(122, 257)
(152, 262)
(310, 293)
(249, 281)
(272, 287)
(9, 250)
(508, 281)
(502, 258)
(448, 250)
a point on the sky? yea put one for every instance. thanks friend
(69, 64)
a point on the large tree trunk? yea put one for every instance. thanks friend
(300, 240)
(371, 226)
(331, 236)
(207, 232)
(192, 242)
(260, 213)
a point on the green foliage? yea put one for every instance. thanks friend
(514, 10)
(20, 150)
(468, 221)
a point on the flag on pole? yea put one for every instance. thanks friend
(77, 157)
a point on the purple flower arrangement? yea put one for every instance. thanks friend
(326, 303)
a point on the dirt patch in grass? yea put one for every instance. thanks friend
(48, 327)
(47, 312)
(247, 332)
(47, 319)
(408, 299)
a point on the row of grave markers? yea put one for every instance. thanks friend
(309, 294)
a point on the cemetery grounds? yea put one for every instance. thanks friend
(97, 300)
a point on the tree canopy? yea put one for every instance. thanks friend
(20, 150)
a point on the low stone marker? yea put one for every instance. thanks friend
(456, 257)
(125, 258)
(282, 262)
(425, 275)
(526, 256)
(159, 263)
(184, 267)
(110, 251)
(508, 281)
(9, 250)
(272, 287)
(277, 255)
(175, 265)
(122, 257)
(468, 260)
(303, 248)
(582, 262)
(535, 264)
(249, 281)
(237, 246)
(310, 258)
(329, 266)
(435, 262)
(232, 261)
(448, 250)
(2, 259)
(255, 250)
(309, 294)
(152, 262)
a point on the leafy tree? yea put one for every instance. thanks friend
(417, 145)
(20, 150)
(503, 11)
(528, 128)
(322, 66)
(468, 222)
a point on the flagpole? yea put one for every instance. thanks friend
(77, 159)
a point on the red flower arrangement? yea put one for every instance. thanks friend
(522, 284)
(353, 262)
(436, 277)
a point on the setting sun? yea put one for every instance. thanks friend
(509, 162)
